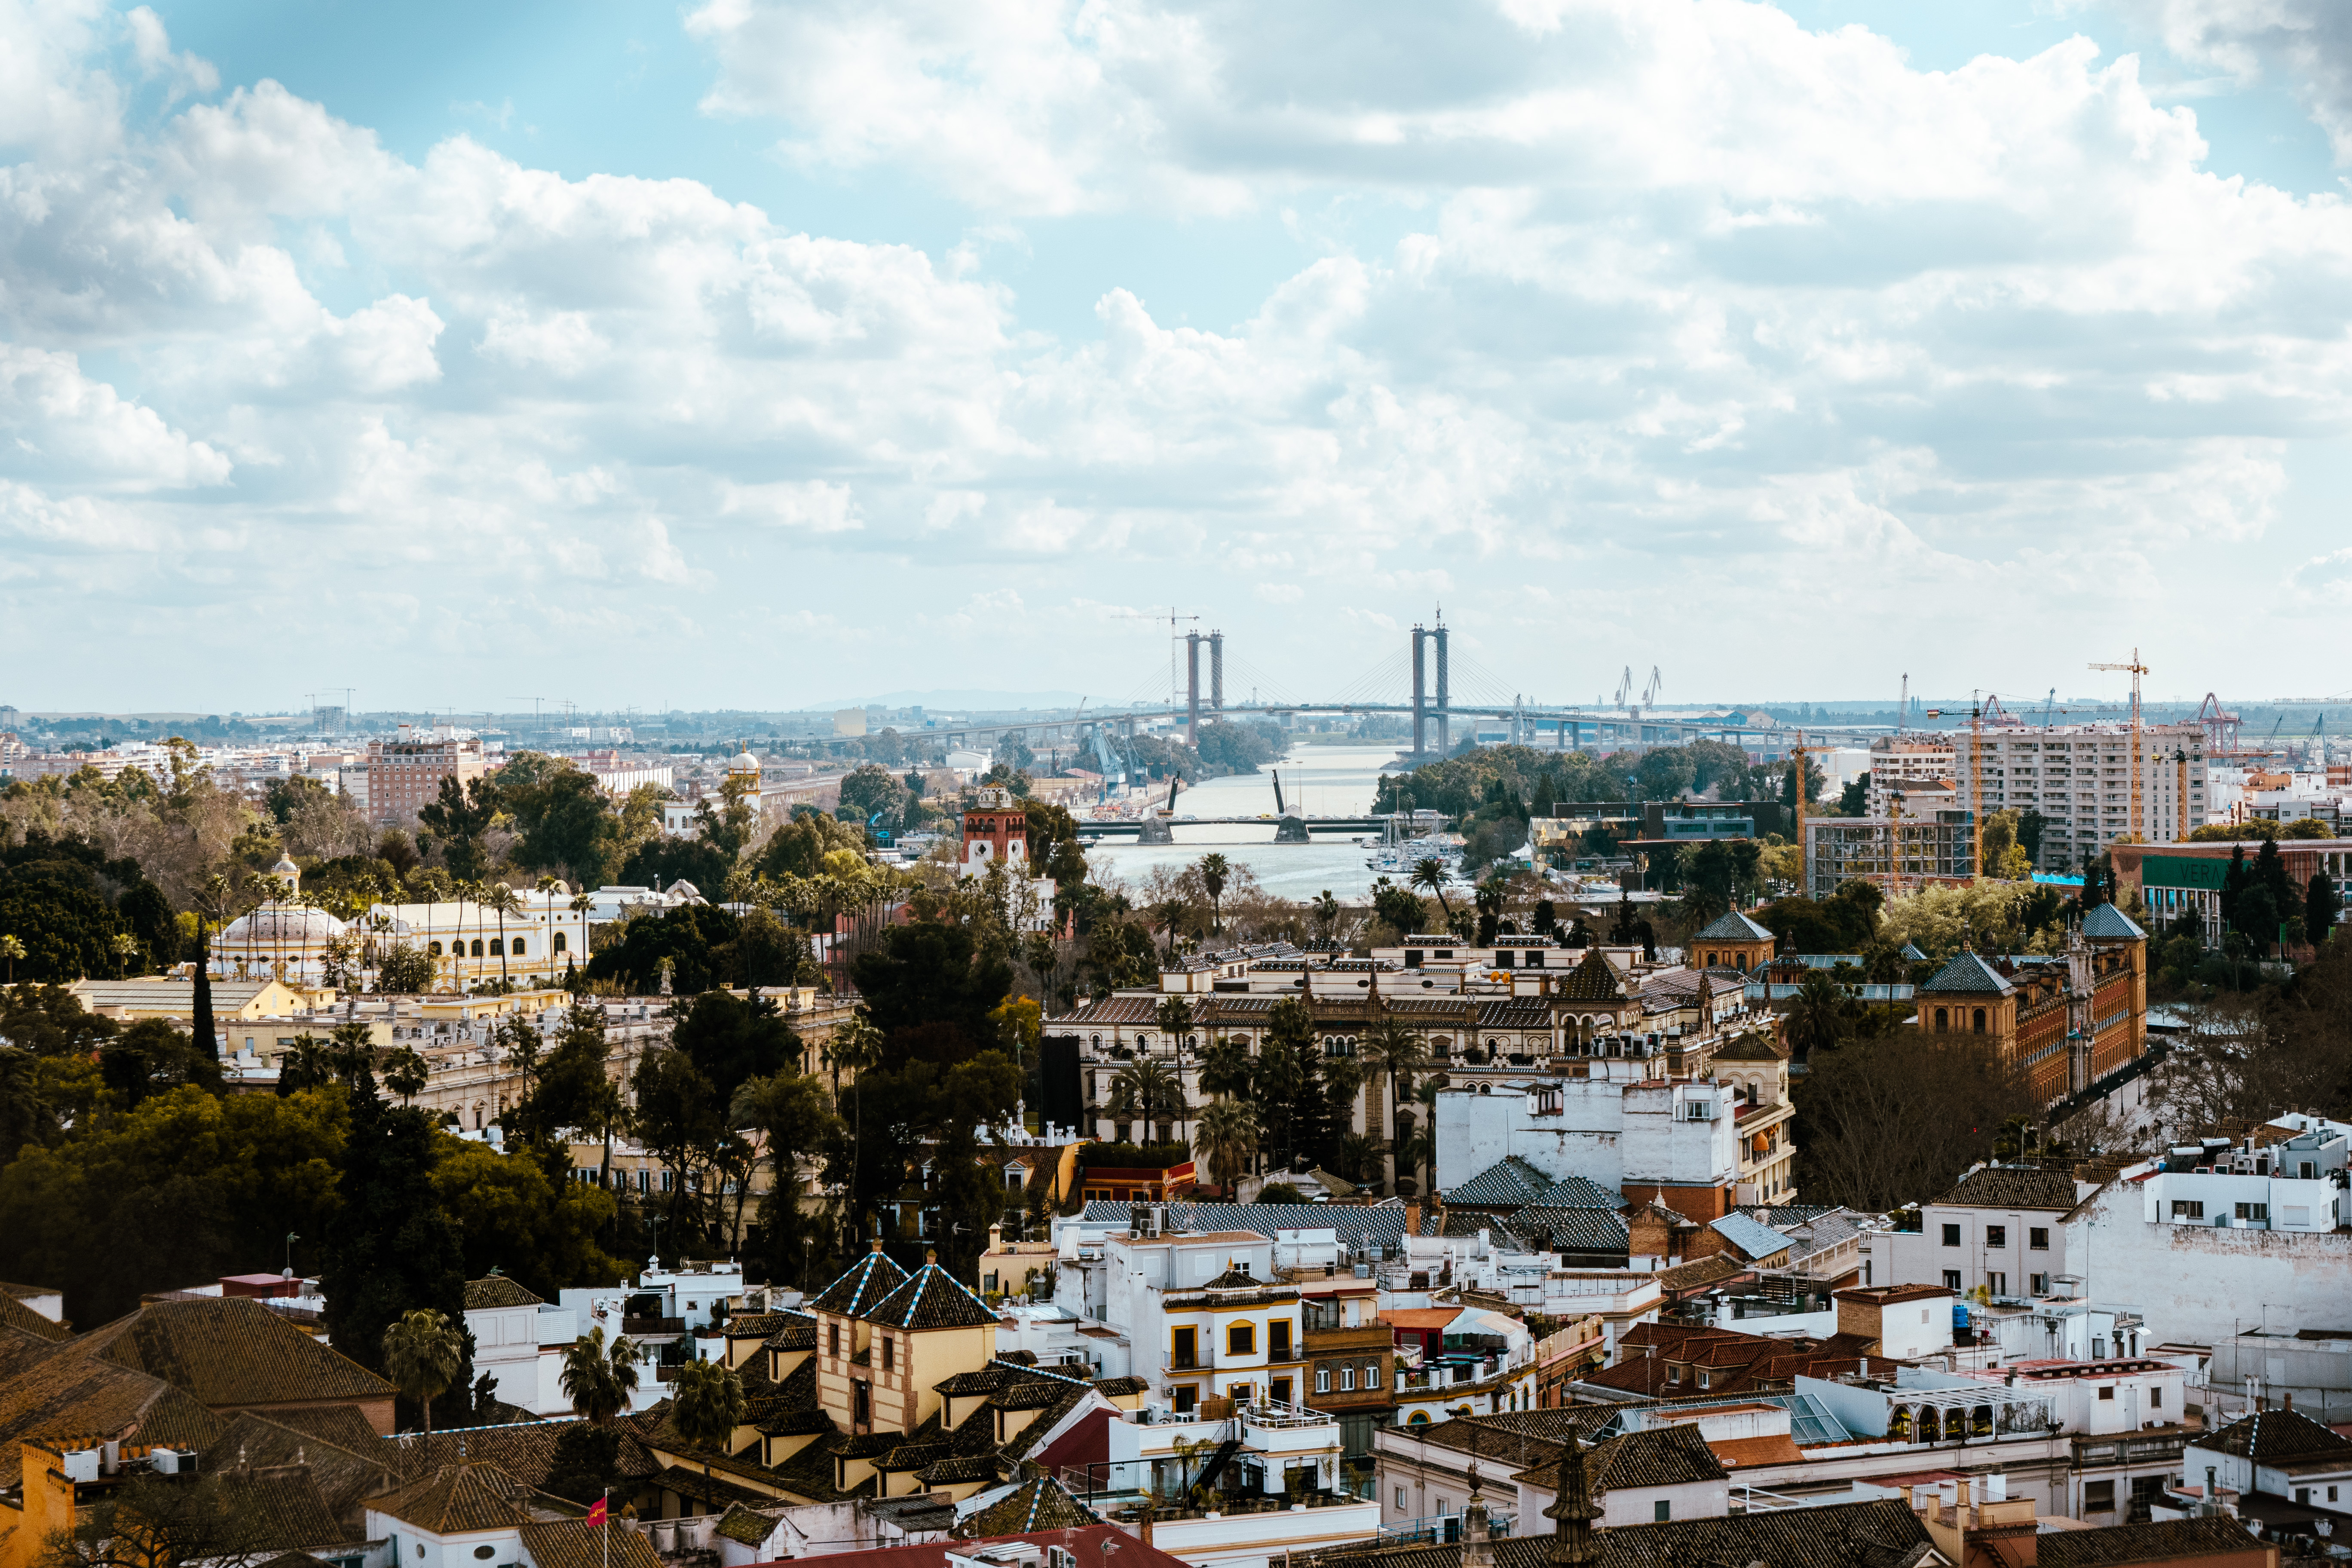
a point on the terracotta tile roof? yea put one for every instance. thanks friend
(749, 1526)
(963, 1469)
(1113, 1387)
(575, 1543)
(760, 1325)
(497, 1290)
(2130, 1545)
(1884, 1534)
(525, 1450)
(1755, 1240)
(1516, 1013)
(1701, 1275)
(2277, 1434)
(228, 1351)
(798, 1333)
(281, 1510)
(1109, 1010)
(931, 1298)
(1039, 1504)
(64, 1394)
(475, 1495)
(1601, 1230)
(2014, 1187)
(15, 1315)
(868, 1281)
(1592, 981)
(1747, 1453)
(1660, 1457)
(343, 1477)
(1752, 1046)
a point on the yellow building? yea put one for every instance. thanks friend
(885, 1338)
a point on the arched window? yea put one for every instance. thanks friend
(432, 949)
(1418, 1418)
(561, 944)
(498, 947)
(517, 950)
(478, 947)
(1943, 1019)
(1979, 1020)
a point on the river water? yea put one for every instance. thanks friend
(1317, 781)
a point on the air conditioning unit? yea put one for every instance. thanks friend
(171, 1462)
(81, 1465)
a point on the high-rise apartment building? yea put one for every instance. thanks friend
(2082, 780)
(404, 773)
(1897, 762)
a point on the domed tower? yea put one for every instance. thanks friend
(288, 873)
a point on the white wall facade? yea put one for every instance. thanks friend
(1606, 1131)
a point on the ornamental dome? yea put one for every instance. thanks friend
(286, 866)
(282, 925)
(745, 764)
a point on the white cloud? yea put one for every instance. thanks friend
(1695, 302)
(153, 46)
(2308, 42)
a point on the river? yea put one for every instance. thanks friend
(1317, 781)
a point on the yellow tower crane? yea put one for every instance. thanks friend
(1804, 847)
(2137, 669)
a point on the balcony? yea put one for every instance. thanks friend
(651, 1327)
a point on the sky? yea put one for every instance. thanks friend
(752, 353)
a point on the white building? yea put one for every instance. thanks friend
(1900, 764)
(2082, 779)
(1681, 1140)
(470, 942)
(519, 1341)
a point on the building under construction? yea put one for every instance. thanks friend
(2092, 784)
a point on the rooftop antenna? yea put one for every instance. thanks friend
(1902, 706)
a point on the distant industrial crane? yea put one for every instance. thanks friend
(2137, 669)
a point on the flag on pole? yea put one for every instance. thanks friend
(596, 1513)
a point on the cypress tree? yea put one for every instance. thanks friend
(391, 1247)
(2320, 908)
(2270, 869)
(2233, 883)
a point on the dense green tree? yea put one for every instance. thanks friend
(1398, 908)
(460, 818)
(1853, 799)
(391, 1247)
(662, 861)
(186, 1185)
(586, 1464)
(872, 799)
(799, 848)
(690, 937)
(67, 904)
(566, 822)
(2270, 871)
(682, 1122)
(732, 1039)
(1294, 1097)
(793, 1117)
(929, 972)
(2235, 877)
(513, 1217)
(154, 1058)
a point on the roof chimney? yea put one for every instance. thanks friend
(2286, 1400)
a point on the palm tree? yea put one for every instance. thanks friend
(581, 904)
(1148, 1087)
(1215, 871)
(12, 948)
(1327, 913)
(504, 901)
(404, 1075)
(855, 1045)
(1170, 916)
(1355, 1155)
(1225, 1136)
(1225, 1068)
(1430, 872)
(1818, 1017)
(599, 1379)
(421, 1353)
(1395, 1052)
(708, 1405)
(126, 948)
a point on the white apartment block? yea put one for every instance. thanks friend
(1899, 762)
(2082, 780)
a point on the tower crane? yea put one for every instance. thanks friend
(2137, 669)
